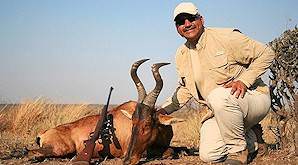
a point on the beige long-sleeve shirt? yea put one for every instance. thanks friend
(221, 55)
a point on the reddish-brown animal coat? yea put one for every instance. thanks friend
(145, 128)
(68, 138)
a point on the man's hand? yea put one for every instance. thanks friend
(238, 87)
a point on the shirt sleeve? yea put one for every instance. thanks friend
(256, 56)
(181, 95)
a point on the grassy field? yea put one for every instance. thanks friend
(22, 122)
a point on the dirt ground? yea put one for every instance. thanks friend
(273, 158)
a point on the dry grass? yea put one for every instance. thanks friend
(21, 123)
(188, 133)
(270, 125)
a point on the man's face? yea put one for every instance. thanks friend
(189, 26)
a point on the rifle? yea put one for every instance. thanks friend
(84, 157)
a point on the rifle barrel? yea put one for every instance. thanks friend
(86, 154)
(100, 123)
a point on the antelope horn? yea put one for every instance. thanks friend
(139, 85)
(150, 99)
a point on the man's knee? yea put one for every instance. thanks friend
(205, 157)
(212, 146)
(210, 156)
(219, 98)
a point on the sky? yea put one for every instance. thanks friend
(72, 51)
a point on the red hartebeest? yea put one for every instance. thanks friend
(155, 129)
(145, 124)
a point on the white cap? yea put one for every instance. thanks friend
(186, 7)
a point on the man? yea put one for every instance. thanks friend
(222, 67)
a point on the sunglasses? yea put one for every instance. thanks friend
(180, 19)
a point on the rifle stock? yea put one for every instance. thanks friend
(84, 157)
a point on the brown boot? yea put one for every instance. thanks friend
(237, 158)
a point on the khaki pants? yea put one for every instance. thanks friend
(229, 130)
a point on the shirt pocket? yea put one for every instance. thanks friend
(218, 60)
(219, 69)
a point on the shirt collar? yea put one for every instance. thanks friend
(201, 43)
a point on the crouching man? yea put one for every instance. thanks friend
(221, 66)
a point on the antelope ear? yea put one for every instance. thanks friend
(126, 113)
(168, 120)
